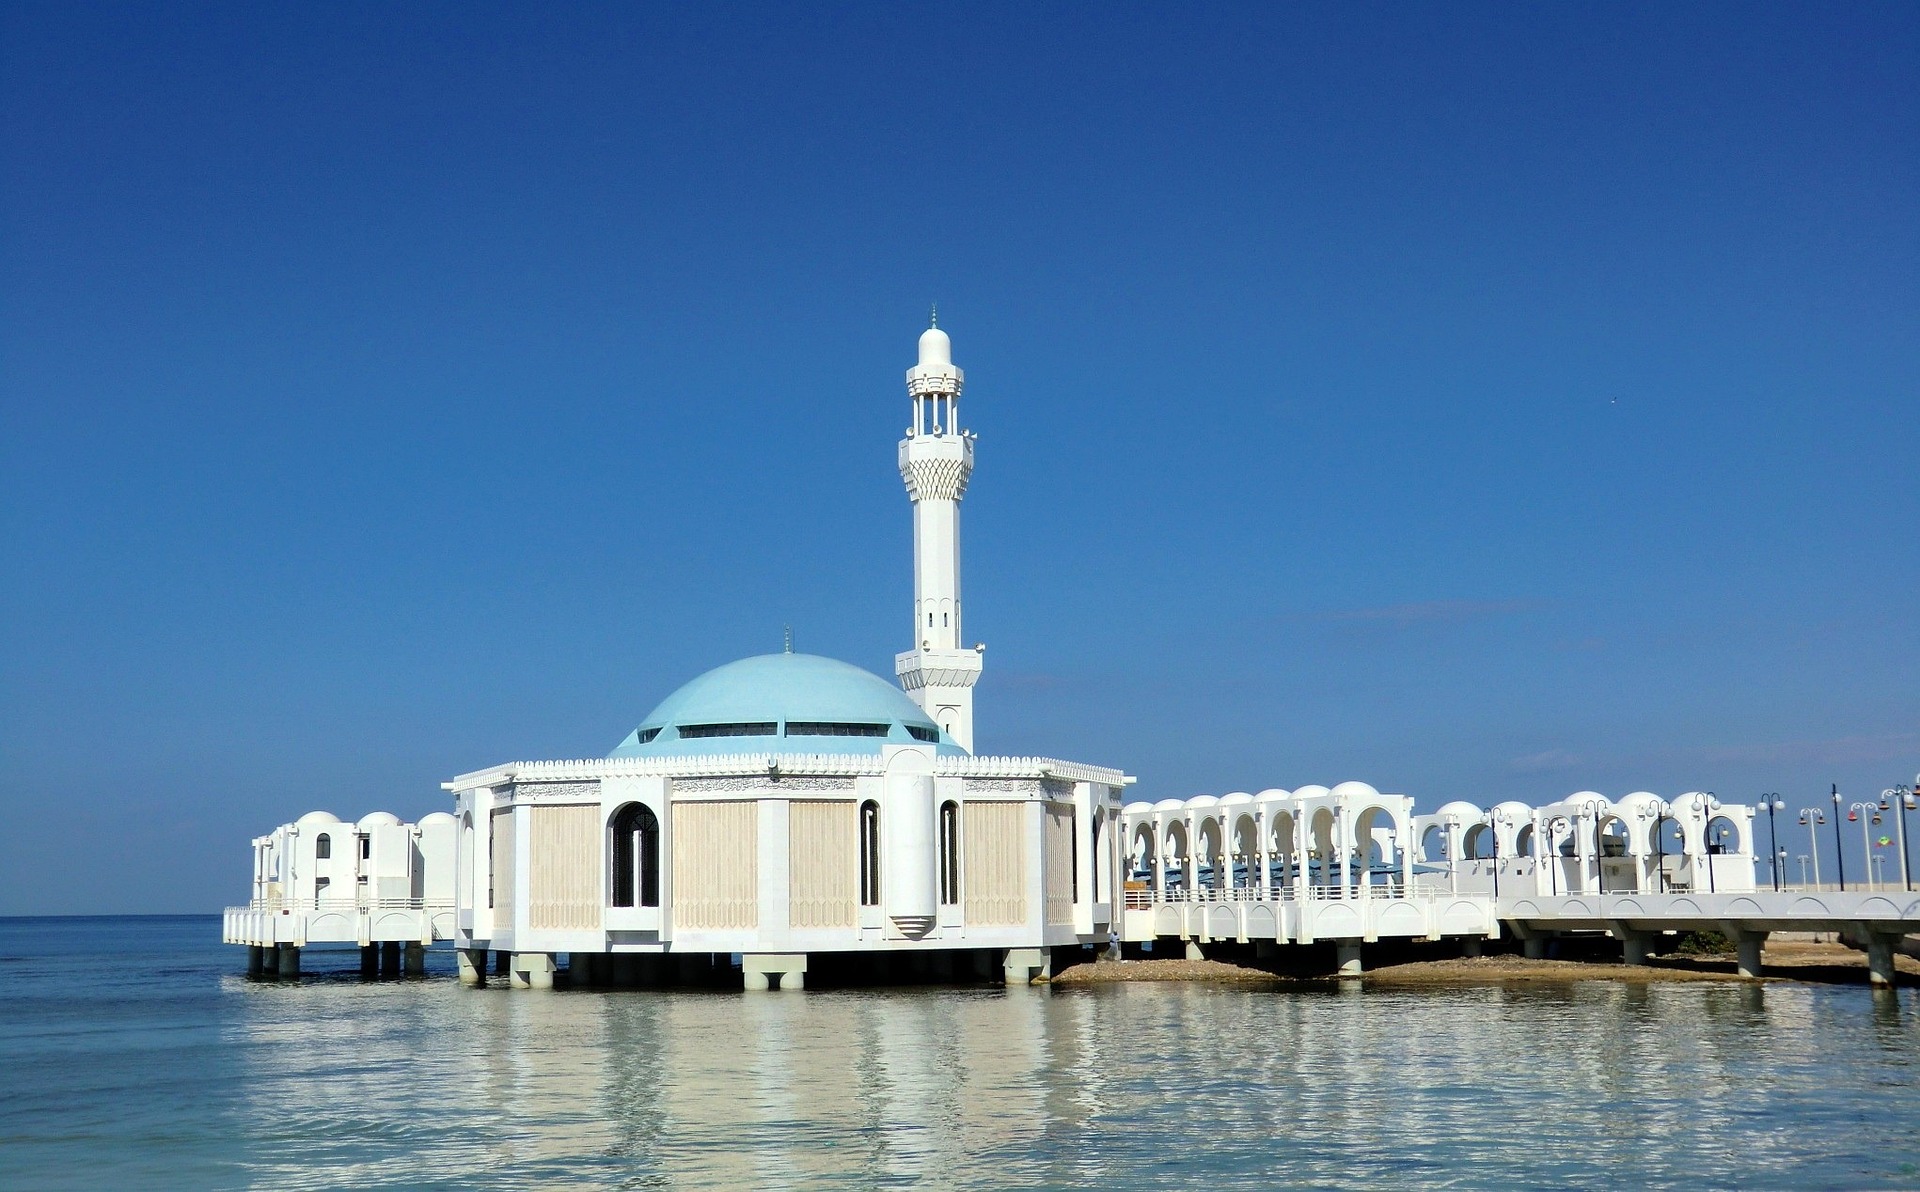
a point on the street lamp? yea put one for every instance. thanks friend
(1772, 804)
(1812, 818)
(1705, 804)
(1555, 827)
(1902, 797)
(1451, 851)
(1493, 826)
(1866, 813)
(1659, 815)
(1839, 858)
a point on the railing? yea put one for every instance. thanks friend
(283, 906)
(1382, 888)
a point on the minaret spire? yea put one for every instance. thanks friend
(936, 461)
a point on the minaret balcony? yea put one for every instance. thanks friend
(919, 669)
(936, 467)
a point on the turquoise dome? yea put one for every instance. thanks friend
(784, 703)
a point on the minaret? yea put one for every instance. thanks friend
(936, 458)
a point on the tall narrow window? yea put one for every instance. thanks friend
(636, 856)
(322, 847)
(1094, 852)
(869, 853)
(949, 854)
(1073, 852)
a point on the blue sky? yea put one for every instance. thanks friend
(1481, 401)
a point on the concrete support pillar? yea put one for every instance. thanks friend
(289, 962)
(1023, 964)
(1262, 950)
(502, 964)
(390, 958)
(414, 959)
(369, 960)
(760, 971)
(532, 970)
(1635, 947)
(1536, 947)
(473, 966)
(1472, 948)
(1347, 954)
(1194, 951)
(256, 962)
(270, 960)
(1880, 970)
(1750, 944)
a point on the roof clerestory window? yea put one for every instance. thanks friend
(753, 728)
(645, 735)
(833, 728)
(921, 732)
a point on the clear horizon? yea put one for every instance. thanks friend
(1478, 402)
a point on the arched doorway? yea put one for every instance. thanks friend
(636, 856)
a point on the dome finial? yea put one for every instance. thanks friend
(933, 315)
(789, 639)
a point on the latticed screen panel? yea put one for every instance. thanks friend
(994, 869)
(823, 863)
(716, 865)
(564, 881)
(501, 878)
(1060, 862)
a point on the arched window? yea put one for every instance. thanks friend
(1073, 855)
(636, 856)
(322, 847)
(869, 853)
(1094, 852)
(949, 853)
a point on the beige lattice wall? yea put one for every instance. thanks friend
(716, 865)
(502, 861)
(994, 865)
(1059, 862)
(823, 863)
(564, 880)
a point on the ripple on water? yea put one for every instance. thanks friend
(180, 1073)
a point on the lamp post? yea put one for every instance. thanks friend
(1771, 803)
(1704, 805)
(1660, 843)
(1493, 827)
(1902, 799)
(1867, 814)
(1839, 858)
(1813, 817)
(1451, 848)
(1555, 827)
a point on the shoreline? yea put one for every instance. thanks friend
(1794, 961)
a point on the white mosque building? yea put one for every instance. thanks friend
(775, 809)
(789, 811)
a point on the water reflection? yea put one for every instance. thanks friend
(1159, 1086)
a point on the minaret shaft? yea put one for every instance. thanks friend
(936, 573)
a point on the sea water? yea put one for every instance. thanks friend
(134, 1052)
